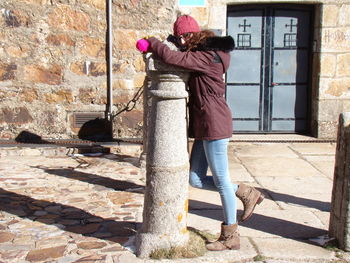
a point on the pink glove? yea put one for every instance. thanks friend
(142, 45)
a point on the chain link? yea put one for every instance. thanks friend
(131, 104)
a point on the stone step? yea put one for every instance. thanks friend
(72, 147)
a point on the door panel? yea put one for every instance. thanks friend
(245, 66)
(245, 104)
(286, 125)
(247, 25)
(288, 102)
(245, 72)
(290, 66)
(268, 79)
(246, 126)
(294, 24)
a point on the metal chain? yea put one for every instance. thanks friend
(131, 104)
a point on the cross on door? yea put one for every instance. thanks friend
(244, 25)
(291, 25)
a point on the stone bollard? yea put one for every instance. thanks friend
(147, 86)
(339, 225)
(167, 165)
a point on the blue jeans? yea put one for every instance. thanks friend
(214, 154)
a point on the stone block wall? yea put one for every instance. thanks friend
(332, 77)
(53, 62)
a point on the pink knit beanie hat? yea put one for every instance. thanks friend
(185, 24)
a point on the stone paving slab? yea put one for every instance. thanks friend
(323, 216)
(309, 201)
(296, 185)
(237, 170)
(295, 223)
(262, 150)
(205, 219)
(282, 167)
(314, 148)
(198, 199)
(239, 173)
(292, 250)
(324, 163)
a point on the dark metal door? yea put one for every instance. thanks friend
(268, 79)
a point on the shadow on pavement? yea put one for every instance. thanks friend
(271, 225)
(71, 218)
(107, 182)
(300, 201)
(283, 228)
(286, 198)
(123, 158)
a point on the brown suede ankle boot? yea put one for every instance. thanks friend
(229, 239)
(250, 197)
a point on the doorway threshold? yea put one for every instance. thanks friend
(278, 138)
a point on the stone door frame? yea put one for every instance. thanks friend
(311, 8)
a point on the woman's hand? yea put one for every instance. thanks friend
(142, 45)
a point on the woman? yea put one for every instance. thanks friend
(210, 121)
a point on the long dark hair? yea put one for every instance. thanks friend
(197, 39)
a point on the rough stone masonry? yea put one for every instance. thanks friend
(53, 62)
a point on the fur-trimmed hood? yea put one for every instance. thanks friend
(217, 44)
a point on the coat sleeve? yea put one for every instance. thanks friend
(196, 61)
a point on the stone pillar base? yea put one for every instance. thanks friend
(146, 242)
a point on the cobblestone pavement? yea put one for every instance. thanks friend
(59, 207)
(65, 209)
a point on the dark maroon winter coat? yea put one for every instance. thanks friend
(209, 115)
